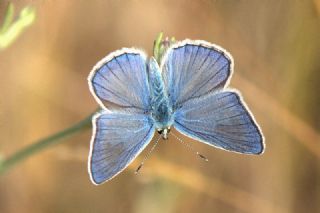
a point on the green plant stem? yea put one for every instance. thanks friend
(38, 146)
(7, 18)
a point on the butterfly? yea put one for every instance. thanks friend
(187, 91)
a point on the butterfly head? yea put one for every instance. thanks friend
(164, 132)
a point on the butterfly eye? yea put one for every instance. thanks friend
(160, 131)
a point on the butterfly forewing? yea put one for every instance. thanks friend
(117, 139)
(221, 120)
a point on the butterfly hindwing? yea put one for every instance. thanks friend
(119, 81)
(117, 139)
(222, 120)
(195, 68)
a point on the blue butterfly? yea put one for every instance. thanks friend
(187, 91)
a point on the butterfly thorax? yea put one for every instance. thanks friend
(161, 111)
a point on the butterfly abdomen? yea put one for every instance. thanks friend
(161, 111)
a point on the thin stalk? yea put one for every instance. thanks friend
(42, 144)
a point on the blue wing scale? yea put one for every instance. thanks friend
(117, 139)
(221, 120)
(119, 81)
(193, 69)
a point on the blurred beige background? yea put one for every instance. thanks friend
(44, 89)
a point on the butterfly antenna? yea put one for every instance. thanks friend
(147, 155)
(190, 147)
